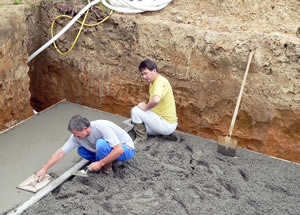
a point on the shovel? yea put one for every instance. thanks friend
(227, 146)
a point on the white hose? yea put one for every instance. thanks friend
(135, 6)
(123, 6)
(63, 30)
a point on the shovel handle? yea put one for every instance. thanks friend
(240, 95)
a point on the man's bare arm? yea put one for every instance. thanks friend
(57, 156)
(151, 104)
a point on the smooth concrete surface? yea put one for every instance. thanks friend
(26, 147)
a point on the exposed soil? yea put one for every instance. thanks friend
(183, 177)
(202, 47)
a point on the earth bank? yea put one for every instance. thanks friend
(202, 47)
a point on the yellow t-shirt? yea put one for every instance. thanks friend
(166, 108)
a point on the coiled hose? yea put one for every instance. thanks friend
(123, 6)
(135, 6)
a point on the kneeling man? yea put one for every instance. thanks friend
(100, 142)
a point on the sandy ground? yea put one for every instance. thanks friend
(183, 177)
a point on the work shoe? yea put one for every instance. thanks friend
(140, 131)
(172, 137)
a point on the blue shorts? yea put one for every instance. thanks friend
(102, 150)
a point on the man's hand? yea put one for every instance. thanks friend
(143, 106)
(152, 103)
(106, 161)
(95, 166)
(41, 174)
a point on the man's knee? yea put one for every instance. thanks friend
(135, 110)
(81, 151)
(127, 154)
(101, 144)
(136, 115)
(86, 154)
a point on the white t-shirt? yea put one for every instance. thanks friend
(104, 129)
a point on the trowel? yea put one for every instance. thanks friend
(82, 173)
(34, 184)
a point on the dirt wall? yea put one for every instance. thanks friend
(204, 55)
(202, 47)
(14, 79)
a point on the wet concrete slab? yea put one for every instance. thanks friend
(26, 147)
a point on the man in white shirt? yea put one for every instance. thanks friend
(100, 142)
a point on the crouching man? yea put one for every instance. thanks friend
(100, 142)
(158, 116)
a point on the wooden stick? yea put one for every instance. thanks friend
(5, 130)
(240, 96)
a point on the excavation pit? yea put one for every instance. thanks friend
(164, 177)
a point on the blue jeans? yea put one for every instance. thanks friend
(102, 150)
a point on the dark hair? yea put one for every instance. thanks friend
(78, 123)
(147, 64)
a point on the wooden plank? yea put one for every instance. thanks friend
(6, 130)
(129, 125)
(6, 2)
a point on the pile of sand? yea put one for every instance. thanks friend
(183, 177)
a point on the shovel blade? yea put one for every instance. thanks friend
(227, 146)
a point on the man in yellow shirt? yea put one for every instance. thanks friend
(158, 116)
